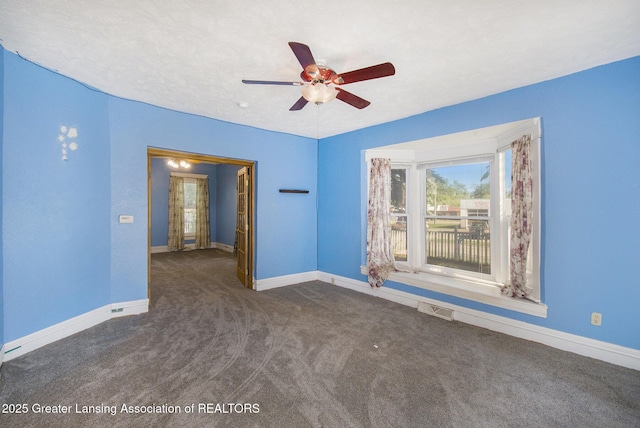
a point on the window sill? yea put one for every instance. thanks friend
(481, 292)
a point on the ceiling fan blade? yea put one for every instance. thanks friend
(303, 53)
(270, 82)
(299, 104)
(351, 99)
(368, 73)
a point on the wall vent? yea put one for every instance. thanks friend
(436, 311)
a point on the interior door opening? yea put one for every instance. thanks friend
(245, 193)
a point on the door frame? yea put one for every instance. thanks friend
(154, 152)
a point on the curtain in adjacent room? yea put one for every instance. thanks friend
(176, 214)
(521, 217)
(380, 261)
(203, 236)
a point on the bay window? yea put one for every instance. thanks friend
(451, 209)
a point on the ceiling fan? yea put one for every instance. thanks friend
(321, 84)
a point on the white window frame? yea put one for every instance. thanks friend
(476, 145)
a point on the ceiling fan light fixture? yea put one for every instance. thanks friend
(318, 93)
(317, 80)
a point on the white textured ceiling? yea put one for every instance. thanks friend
(191, 55)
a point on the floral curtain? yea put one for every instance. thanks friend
(203, 236)
(176, 214)
(380, 261)
(521, 217)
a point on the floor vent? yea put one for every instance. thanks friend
(436, 311)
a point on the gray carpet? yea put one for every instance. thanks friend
(306, 355)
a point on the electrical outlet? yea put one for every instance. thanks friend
(596, 318)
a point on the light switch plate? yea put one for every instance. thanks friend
(125, 219)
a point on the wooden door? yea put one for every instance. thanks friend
(242, 228)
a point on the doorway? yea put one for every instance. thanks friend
(245, 259)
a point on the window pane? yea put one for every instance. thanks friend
(448, 186)
(466, 249)
(398, 211)
(398, 191)
(507, 182)
(399, 237)
(457, 217)
(190, 189)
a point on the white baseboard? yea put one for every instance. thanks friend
(609, 352)
(133, 307)
(74, 325)
(223, 247)
(189, 247)
(282, 281)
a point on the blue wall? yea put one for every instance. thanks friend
(282, 160)
(226, 204)
(590, 196)
(56, 237)
(64, 252)
(222, 199)
(160, 173)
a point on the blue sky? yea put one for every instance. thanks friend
(470, 174)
